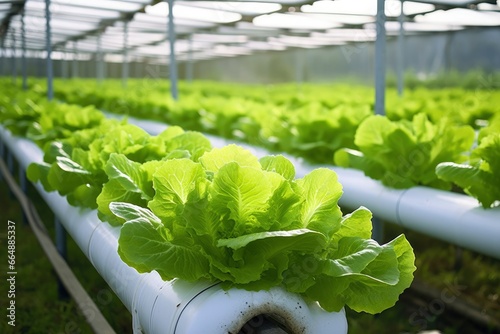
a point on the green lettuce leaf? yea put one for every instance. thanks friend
(212, 161)
(146, 246)
(321, 192)
(278, 164)
(129, 182)
(240, 193)
(481, 180)
(403, 154)
(374, 294)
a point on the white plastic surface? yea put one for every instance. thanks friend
(175, 306)
(452, 217)
(215, 305)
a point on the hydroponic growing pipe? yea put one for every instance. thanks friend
(448, 216)
(175, 306)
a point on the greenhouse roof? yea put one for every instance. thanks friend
(208, 29)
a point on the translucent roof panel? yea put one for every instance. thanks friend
(163, 49)
(366, 7)
(113, 5)
(163, 21)
(289, 21)
(61, 9)
(155, 51)
(307, 42)
(194, 13)
(184, 45)
(282, 2)
(208, 29)
(263, 46)
(217, 38)
(320, 39)
(31, 42)
(143, 2)
(460, 16)
(261, 32)
(350, 35)
(37, 24)
(71, 25)
(340, 18)
(452, 3)
(393, 8)
(244, 8)
(114, 34)
(91, 46)
(5, 7)
(92, 40)
(144, 25)
(227, 50)
(38, 18)
(393, 27)
(355, 7)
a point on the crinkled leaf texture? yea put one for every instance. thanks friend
(129, 182)
(150, 246)
(405, 153)
(481, 180)
(229, 217)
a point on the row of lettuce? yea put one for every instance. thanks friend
(196, 213)
(435, 138)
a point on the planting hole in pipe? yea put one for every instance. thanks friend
(265, 324)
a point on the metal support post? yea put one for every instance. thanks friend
(377, 230)
(2, 54)
(300, 66)
(10, 166)
(24, 187)
(401, 48)
(64, 66)
(99, 60)
(48, 37)
(23, 59)
(74, 72)
(40, 65)
(125, 65)
(61, 245)
(171, 38)
(104, 66)
(380, 59)
(13, 58)
(190, 65)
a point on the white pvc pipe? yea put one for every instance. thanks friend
(452, 217)
(175, 306)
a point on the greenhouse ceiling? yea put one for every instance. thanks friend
(208, 29)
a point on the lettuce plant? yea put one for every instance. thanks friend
(77, 166)
(481, 178)
(248, 223)
(403, 154)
